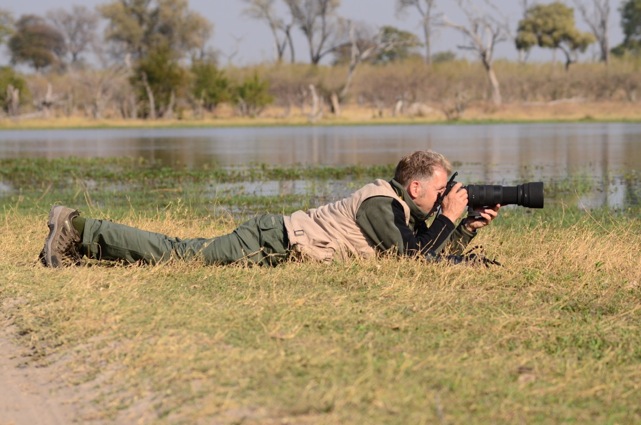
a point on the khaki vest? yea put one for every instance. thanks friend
(331, 232)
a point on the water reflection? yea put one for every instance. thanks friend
(497, 154)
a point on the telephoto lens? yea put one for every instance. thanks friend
(528, 195)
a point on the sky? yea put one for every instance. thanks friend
(241, 40)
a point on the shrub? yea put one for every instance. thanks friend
(252, 95)
(9, 78)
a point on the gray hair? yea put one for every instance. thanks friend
(420, 165)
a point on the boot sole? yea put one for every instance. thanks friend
(53, 224)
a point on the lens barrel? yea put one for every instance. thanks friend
(526, 195)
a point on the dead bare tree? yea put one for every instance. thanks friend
(597, 18)
(263, 10)
(429, 19)
(317, 20)
(78, 27)
(102, 85)
(364, 44)
(483, 31)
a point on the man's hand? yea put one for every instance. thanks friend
(472, 224)
(455, 203)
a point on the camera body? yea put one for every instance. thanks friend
(528, 195)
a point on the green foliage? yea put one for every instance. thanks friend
(403, 45)
(447, 56)
(142, 26)
(8, 77)
(552, 26)
(6, 25)
(160, 72)
(36, 43)
(391, 45)
(210, 85)
(631, 26)
(252, 95)
(631, 20)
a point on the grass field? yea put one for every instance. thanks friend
(550, 337)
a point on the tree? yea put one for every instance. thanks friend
(429, 18)
(317, 20)
(631, 26)
(185, 31)
(399, 45)
(156, 34)
(483, 31)
(263, 10)
(210, 86)
(252, 95)
(597, 19)
(78, 27)
(388, 44)
(36, 43)
(552, 26)
(138, 27)
(13, 90)
(365, 44)
(158, 79)
(6, 25)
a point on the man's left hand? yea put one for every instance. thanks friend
(483, 217)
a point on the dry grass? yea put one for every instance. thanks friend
(569, 110)
(550, 337)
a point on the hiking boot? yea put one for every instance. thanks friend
(61, 246)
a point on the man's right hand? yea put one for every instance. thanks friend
(455, 203)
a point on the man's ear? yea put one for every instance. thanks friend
(414, 189)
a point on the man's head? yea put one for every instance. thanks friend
(424, 175)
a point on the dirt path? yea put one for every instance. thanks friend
(29, 395)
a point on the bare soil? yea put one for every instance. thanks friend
(31, 394)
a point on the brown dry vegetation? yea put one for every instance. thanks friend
(455, 90)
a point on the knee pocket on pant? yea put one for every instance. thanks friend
(272, 233)
(268, 222)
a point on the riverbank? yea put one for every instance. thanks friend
(567, 110)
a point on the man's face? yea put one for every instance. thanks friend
(424, 193)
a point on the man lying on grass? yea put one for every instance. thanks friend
(381, 217)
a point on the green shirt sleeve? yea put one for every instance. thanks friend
(376, 217)
(383, 221)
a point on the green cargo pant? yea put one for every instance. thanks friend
(261, 240)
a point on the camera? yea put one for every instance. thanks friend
(528, 195)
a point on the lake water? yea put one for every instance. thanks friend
(496, 154)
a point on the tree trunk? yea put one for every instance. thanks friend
(13, 100)
(150, 97)
(47, 102)
(604, 44)
(291, 45)
(97, 105)
(317, 111)
(494, 83)
(428, 44)
(168, 113)
(336, 104)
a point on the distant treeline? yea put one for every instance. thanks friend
(153, 60)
